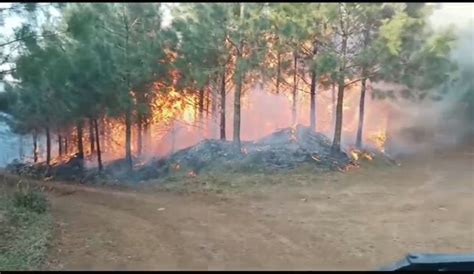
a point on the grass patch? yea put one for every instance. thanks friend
(239, 181)
(25, 229)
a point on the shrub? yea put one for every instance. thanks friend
(30, 199)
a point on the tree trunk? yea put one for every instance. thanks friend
(48, 146)
(333, 112)
(238, 92)
(201, 104)
(60, 144)
(336, 144)
(91, 136)
(295, 86)
(278, 72)
(128, 111)
(80, 146)
(238, 88)
(208, 102)
(213, 121)
(128, 138)
(361, 114)
(66, 151)
(362, 94)
(97, 140)
(147, 134)
(139, 134)
(314, 85)
(312, 93)
(222, 107)
(103, 129)
(35, 146)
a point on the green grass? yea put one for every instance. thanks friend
(25, 229)
(240, 180)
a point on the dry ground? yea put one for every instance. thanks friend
(356, 220)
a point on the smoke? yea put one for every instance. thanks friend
(430, 125)
(264, 112)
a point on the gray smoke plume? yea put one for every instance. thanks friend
(435, 124)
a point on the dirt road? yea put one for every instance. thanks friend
(358, 220)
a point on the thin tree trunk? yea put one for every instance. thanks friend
(362, 94)
(105, 136)
(128, 111)
(312, 93)
(97, 140)
(238, 92)
(128, 138)
(336, 145)
(333, 112)
(60, 144)
(201, 104)
(48, 146)
(222, 107)
(146, 133)
(238, 88)
(80, 146)
(295, 86)
(208, 102)
(361, 114)
(314, 85)
(139, 134)
(213, 121)
(91, 136)
(278, 72)
(196, 109)
(66, 151)
(35, 146)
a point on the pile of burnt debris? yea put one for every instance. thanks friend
(284, 149)
(70, 170)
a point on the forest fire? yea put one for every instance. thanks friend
(175, 124)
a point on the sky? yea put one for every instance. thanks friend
(459, 14)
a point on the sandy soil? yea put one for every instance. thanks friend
(358, 220)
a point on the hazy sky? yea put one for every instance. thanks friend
(459, 14)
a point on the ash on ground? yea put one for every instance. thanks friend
(284, 149)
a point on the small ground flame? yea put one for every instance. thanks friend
(176, 167)
(357, 154)
(293, 133)
(379, 140)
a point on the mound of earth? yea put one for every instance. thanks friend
(284, 149)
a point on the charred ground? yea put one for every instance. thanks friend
(285, 149)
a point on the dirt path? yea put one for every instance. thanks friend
(359, 220)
